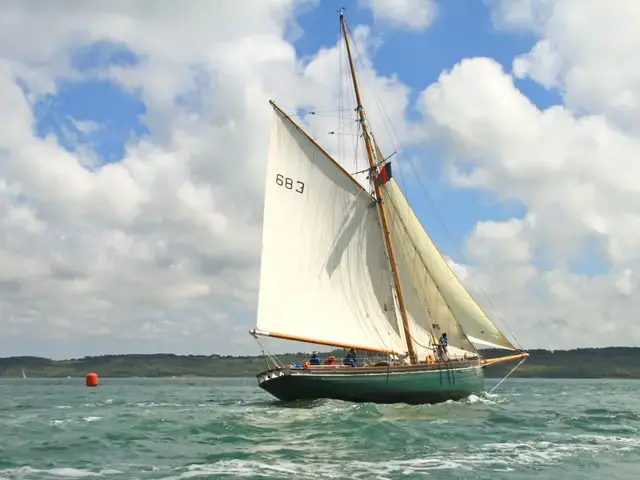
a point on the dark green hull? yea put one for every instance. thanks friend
(415, 384)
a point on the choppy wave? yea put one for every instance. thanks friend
(178, 429)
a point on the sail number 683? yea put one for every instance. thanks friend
(288, 183)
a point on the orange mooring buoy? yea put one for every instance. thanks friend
(92, 380)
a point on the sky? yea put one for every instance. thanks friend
(133, 139)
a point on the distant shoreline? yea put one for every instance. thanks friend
(251, 377)
(587, 363)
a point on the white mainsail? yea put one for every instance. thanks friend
(429, 283)
(324, 273)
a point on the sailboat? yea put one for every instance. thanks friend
(350, 267)
(24, 375)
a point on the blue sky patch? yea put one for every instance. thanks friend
(94, 112)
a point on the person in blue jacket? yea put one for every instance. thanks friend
(350, 359)
(442, 347)
(314, 359)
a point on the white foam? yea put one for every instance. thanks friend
(497, 457)
(62, 472)
(152, 404)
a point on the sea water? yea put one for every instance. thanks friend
(229, 428)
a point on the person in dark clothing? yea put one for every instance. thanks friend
(350, 359)
(314, 359)
(442, 346)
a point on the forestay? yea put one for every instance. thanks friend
(324, 274)
(436, 286)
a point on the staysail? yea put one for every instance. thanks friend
(324, 274)
(426, 307)
(431, 285)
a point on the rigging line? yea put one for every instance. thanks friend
(326, 135)
(421, 345)
(505, 377)
(345, 69)
(442, 224)
(388, 124)
(308, 114)
(392, 289)
(428, 271)
(333, 132)
(412, 257)
(356, 139)
(340, 89)
(446, 362)
(322, 112)
(355, 129)
(457, 250)
(356, 133)
(265, 359)
(378, 101)
(277, 361)
(408, 258)
(386, 119)
(311, 112)
(356, 147)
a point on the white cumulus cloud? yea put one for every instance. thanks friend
(162, 247)
(410, 14)
(572, 167)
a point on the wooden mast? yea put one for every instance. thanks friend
(378, 192)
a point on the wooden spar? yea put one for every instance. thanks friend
(378, 191)
(493, 361)
(294, 338)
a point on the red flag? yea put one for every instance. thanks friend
(385, 173)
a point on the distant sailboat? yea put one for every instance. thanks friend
(348, 267)
(24, 375)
